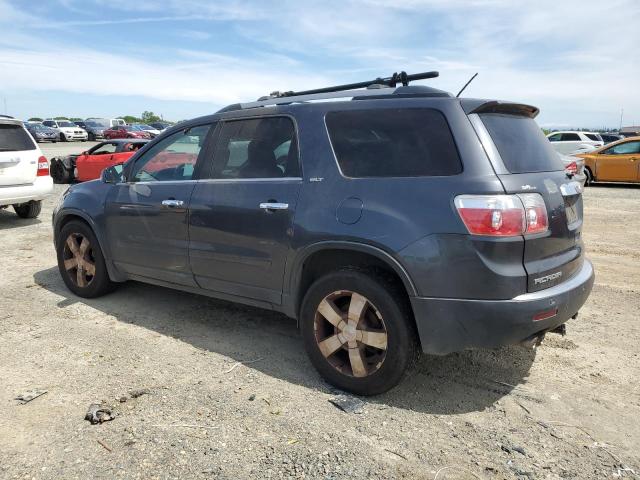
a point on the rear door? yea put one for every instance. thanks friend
(529, 165)
(18, 155)
(619, 163)
(241, 216)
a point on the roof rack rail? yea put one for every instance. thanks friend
(7, 116)
(391, 81)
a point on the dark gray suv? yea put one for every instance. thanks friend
(387, 221)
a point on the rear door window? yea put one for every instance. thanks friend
(14, 138)
(594, 137)
(415, 142)
(257, 148)
(570, 137)
(521, 144)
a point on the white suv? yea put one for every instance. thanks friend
(24, 171)
(68, 130)
(568, 142)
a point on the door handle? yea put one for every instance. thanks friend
(274, 206)
(172, 203)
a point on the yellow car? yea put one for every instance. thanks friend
(614, 162)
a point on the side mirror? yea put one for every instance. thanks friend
(112, 174)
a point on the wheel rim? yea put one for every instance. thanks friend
(79, 261)
(350, 333)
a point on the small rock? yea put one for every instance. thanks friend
(348, 404)
(98, 414)
(252, 397)
(139, 393)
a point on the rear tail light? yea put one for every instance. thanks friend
(571, 169)
(43, 167)
(535, 211)
(503, 215)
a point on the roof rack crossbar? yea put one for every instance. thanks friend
(391, 81)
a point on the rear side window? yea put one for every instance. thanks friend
(257, 148)
(521, 144)
(393, 143)
(14, 138)
(595, 138)
(570, 137)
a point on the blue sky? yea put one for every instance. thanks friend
(576, 60)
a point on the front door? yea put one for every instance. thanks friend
(147, 217)
(241, 218)
(619, 163)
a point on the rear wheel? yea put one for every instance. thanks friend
(80, 261)
(92, 137)
(28, 210)
(358, 332)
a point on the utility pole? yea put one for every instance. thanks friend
(621, 115)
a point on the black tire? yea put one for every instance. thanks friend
(28, 210)
(587, 172)
(59, 172)
(92, 137)
(386, 301)
(98, 283)
(62, 137)
(54, 141)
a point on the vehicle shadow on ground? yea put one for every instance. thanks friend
(8, 220)
(457, 383)
(615, 185)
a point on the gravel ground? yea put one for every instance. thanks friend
(228, 391)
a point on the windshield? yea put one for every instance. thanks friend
(66, 124)
(521, 143)
(145, 127)
(94, 125)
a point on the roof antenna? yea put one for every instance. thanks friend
(467, 84)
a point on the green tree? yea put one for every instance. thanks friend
(130, 119)
(60, 118)
(35, 119)
(76, 119)
(148, 117)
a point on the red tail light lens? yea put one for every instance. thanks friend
(571, 169)
(503, 215)
(43, 167)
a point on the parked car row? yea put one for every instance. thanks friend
(92, 129)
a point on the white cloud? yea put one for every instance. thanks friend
(574, 60)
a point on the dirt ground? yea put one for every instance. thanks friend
(230, 393)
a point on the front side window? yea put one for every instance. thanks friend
(103, 149)
(257, 148)
(173, 158)
(410, 142)
(555, 137)
(627, 148)
(594, 137)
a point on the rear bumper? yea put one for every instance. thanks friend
(448, 325)
(39, 189)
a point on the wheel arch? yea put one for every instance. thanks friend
(331, 255)
(69, 215)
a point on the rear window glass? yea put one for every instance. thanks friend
(521, 144)
(593, 137)
(393, 143)
(14, 138)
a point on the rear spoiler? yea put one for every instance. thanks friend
(482, 106)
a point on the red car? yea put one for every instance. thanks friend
(126, 131)
(89, 165)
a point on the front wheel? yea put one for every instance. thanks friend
(80, 261)
(28, 210)
(59, 172)
(587, 172)
(358, 331)
(63, 138)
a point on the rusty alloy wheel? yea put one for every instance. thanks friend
(79, 261)
(350, 333)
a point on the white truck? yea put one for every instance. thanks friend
(24, 171)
